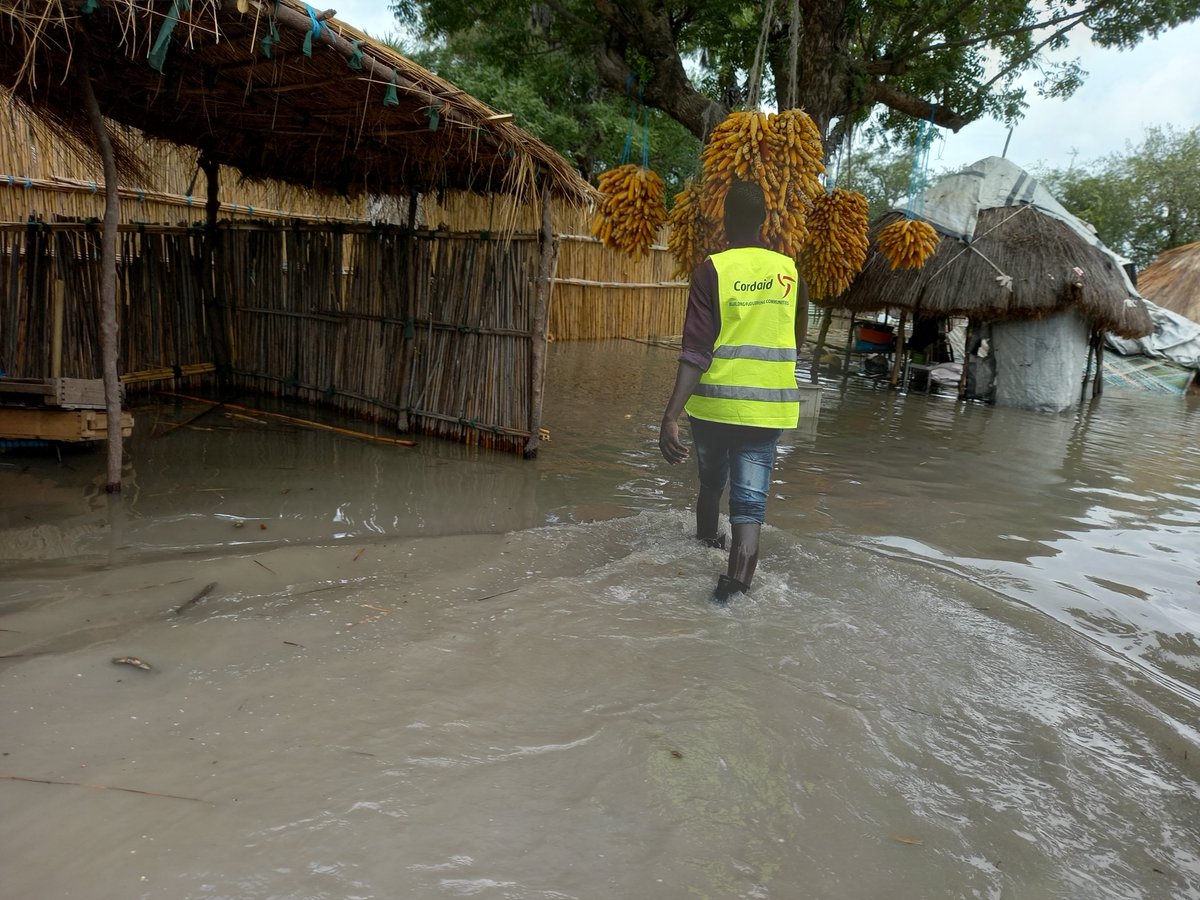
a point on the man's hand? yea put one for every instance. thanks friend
(673, 449)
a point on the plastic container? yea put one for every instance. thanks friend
(876, 333)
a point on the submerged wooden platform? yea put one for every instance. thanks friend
(60, 393)
(66, 425)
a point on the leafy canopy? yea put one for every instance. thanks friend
(950, 61)
(1143, 201)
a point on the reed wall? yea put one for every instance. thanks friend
(425, 331)
(598, 293)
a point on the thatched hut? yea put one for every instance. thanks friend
(1172, 281)
(1013, 259)
(432, 331)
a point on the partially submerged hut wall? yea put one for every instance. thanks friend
(429, 332)
(1039, 361)
(599, 293)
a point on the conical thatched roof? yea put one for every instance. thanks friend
(1173, 281)
(1015, 254)
(351, 116)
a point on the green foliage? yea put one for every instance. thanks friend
(879, 173)
(949, 61)
(1143, 201)
(559, 100)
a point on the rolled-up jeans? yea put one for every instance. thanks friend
(740, 456)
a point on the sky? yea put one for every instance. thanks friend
(1156, 83)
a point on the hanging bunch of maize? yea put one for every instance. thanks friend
(908, 243)
(692, 236)
(785, 163)
(837, 249)
(632, 211)
(796, 143)
(737, 150)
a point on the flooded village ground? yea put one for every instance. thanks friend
(969, 666)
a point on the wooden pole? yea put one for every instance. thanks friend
(1087, 366)
(295, 420)
(414, 201)
(57, 289)
(898, 349)
(849, 346)
(109, 334)
(826, 320)
(1098, 384)
(541, 307)
(208, 276)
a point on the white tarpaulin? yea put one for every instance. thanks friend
(1175, 338)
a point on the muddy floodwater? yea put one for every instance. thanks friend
(969, 666)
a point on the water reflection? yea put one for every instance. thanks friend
(1091, 516)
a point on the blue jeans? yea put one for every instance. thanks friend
(740, 456)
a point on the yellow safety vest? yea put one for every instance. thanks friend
(752, 379)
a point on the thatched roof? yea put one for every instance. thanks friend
(1021, 260)
(1173, 281)
(354, 117)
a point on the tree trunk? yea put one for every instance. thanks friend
(109, 333)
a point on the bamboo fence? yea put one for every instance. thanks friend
(429, 332)
(599, 293)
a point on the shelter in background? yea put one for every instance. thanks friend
(1169, 358)
(1018, 265)
(434, 331)
(1172, 281)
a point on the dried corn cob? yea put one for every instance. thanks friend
(779, 152)
(796, 149)
(737, 150)
(692, 236)
(908, 243)
(632, 211)
(837, 227)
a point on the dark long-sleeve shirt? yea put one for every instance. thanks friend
(702, 320)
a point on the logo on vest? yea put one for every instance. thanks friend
(787, 281)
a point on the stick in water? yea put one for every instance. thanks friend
(204, 592)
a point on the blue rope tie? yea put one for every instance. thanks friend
(317, 28)
(158, 53)
(390, 97)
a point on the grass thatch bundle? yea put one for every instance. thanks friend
(257, 86)
(1172, 281)
(1021, 264)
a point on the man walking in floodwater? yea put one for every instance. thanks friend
(745, 318)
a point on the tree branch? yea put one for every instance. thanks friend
(565, 12)
(1013, 32)
(669, 91)
(932, 28)
(917, 108)
(1024, 59)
